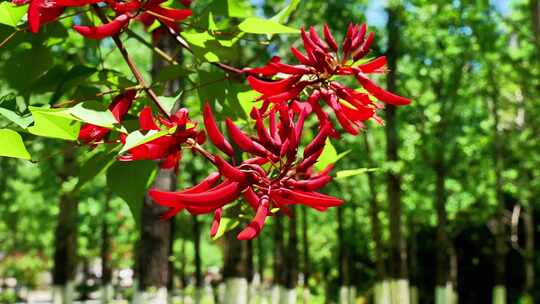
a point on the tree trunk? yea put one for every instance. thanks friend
(291, 261)
(155, 239)
(398, 246)
(382, 287)
(343, 262)
(499, 291)
(528, 254)
(279, 260)
(444, 291)
(65, 243)
(199, 283)
(534, 6)
(235, 269)
(413, 262)
(107, 291)
(305, 256)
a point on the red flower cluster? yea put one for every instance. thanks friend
(274, 177)
(167, 148)
(44, 11)
(92, 134)
(316, 75)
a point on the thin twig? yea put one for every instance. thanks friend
(131, 64)
(157, 50)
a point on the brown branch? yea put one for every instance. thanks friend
(157, 50)
(131, 64)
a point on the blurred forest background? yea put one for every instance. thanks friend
(447, 213)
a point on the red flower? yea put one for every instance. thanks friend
(316, 72)
(167, 148)
(92, 134)
(284, 181)
(146, 12)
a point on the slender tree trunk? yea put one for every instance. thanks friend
(382, 287)
(413, 262)
(398, 246)
(235, 269)
(528, 254)
(107, 291)
(155, 240)
(343, 262)
(172, 272)
(499, 291)
(534, 6)
(444, 291)
(65, 243)
(279, 261)
(291, 262)
(305, 256)
(199, 283)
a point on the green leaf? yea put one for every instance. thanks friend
(130, 181)
(11, 145)
(137, 138)
(55, 123)
(172, 72)
(282, 16)
(10, 14)
(247, 100)
(239, 8)
(256, 25)
(95, 113)
(96, 165)
(354, 172)
(329, 156)
(21, 121)
(226, 224)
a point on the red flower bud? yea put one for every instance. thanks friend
(105, 30)
(255, 227)
(213, 132)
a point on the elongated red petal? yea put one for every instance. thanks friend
(213, 132)
(146, 120)
(319, 141)
(262, 131)
(229, 171)
(380, 93)
(255, 227)
(312, 184)
(267, 70)
(329, 38)
(216, 221)
(121, 104)
(288, 95)
(283, 202)
(251, 198)
(364, 49)
(376, 65)
(316, 39)
(205, 184)
(214, 197)
(171, 14)
(311, 198)
(76, 3)
(34, 14)
(309, 161)
(291, 69)
(105, 30)
(124, 7)
(272, 87)
(244, 142)
(303, 59)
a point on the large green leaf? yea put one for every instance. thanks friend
(10, 14)
(256, 25)
(11, 145)
(130, 181)
(55, 123)
(95, 113)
